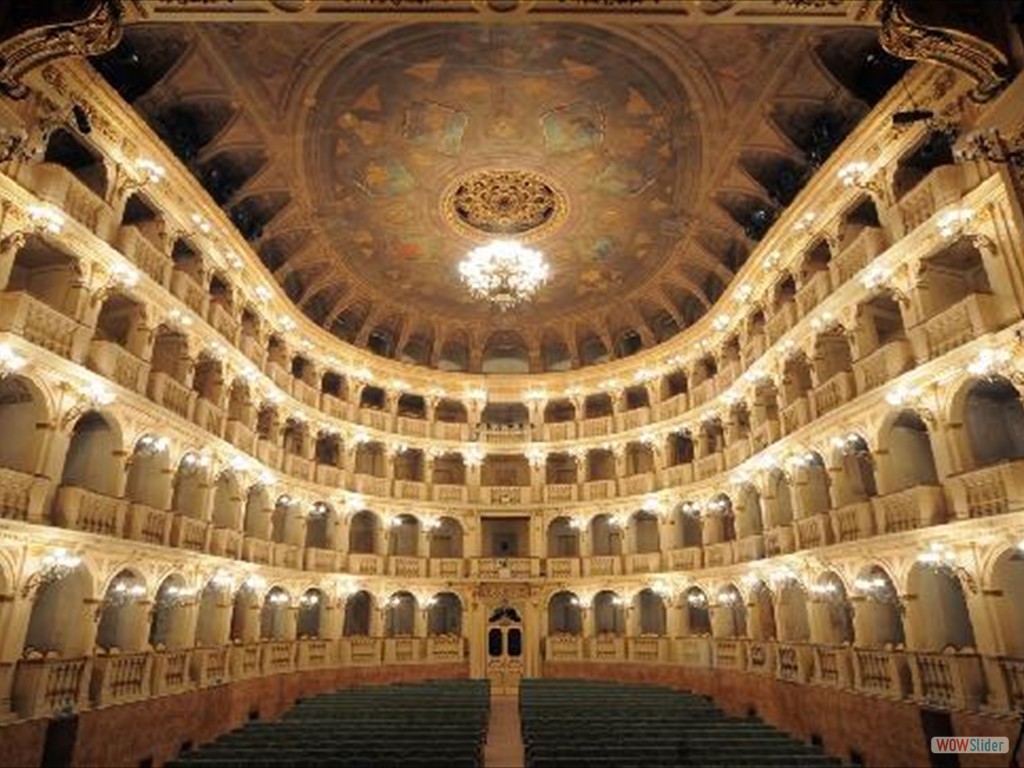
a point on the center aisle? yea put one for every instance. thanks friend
(504, 747)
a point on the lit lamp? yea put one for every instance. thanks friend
(504, 273)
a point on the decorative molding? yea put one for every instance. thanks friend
(97, 32)
(906, 38)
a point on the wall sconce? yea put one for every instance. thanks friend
(309, 600)
(10, 361)
(254, 582)
(46, 219)
(953, 222)
(988, 361)
(223, 580)
(201, 224)
(698, 600)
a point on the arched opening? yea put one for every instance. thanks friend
(689, 532)
(309, 620)
(212, 623)
(446, 539)
(120, 328)
(877, 616)
(358, 613)
(227, 502)
(85, 163)
(22, 413)
(855, 482)
(61, 611)
(994, 422)
(609, 614)
(400, 618)
(408, 465)
(646, 532)
(412, 406)
(639, 459)
(680, 448)
(760, 613)
(449, 469)
(321, 526)
(831, 611)
(246, 614)
(191, 484)
(559, 411)
(564, 614)
(1007, 598)
(505, 415)
(781, 499)
(94, 455)
(276, 615)
(123, 614)
(812, 478)
(605, 536)
(170, 623)
(505, 352)
(444, 616)
(749, 520)
(286, 522)
(405, 536)
(149, 473)
(363, 532)
(937, 614)
(933, 151)
(600, 464)
(597, 406)
(451, 412)
(258, 511)
(910, 462)
(948, 278)
(729, 617)
(719, 520)
(328, 449)
(370, 459)
(696, 614)
(52, 277)
(560, 469)
(794, 624)
(563, 538)
(651, 613)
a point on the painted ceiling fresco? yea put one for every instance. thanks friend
(430, 143)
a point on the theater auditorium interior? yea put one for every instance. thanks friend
(511, 383)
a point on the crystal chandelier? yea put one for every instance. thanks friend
(503, 272)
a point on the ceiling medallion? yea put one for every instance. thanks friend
(504, 202)
(503, 272)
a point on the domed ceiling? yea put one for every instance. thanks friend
(363, 161)
(426, 143)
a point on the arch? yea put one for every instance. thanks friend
(993, 420)
(400, 618)
(831, 612)
(170, 624)
(563, 538)
(404, 538)
(877, 616)
(310, 618)
(910, 461)
(258, 512)
(191, 486)
(444, 615)
(609, 614)
(605, 536)
(793, 619)
(1007, 581)
(276, 616)
(812, 478)
(23, 412)
(688, 527)
(651, 613)
(855, 481)
(149, 473)
(446, 538)
(760, 613)
(123, 614)
(646, 532)
(363, 532)
(321, 526)
(505, 352)
(937, 614)
(81, 159)
(213, 623)
(564, 614)
(749, 520)
(286, 522)
(246, 619)
(358, 614)
(227, 502)
(61, 612)
(696, 613)
(94, 455)
(729, 618)
(719, 520)
(782, 499)
(51, 276)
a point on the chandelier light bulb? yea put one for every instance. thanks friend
(503, 272)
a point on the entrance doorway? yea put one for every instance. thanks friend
(505, 650)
